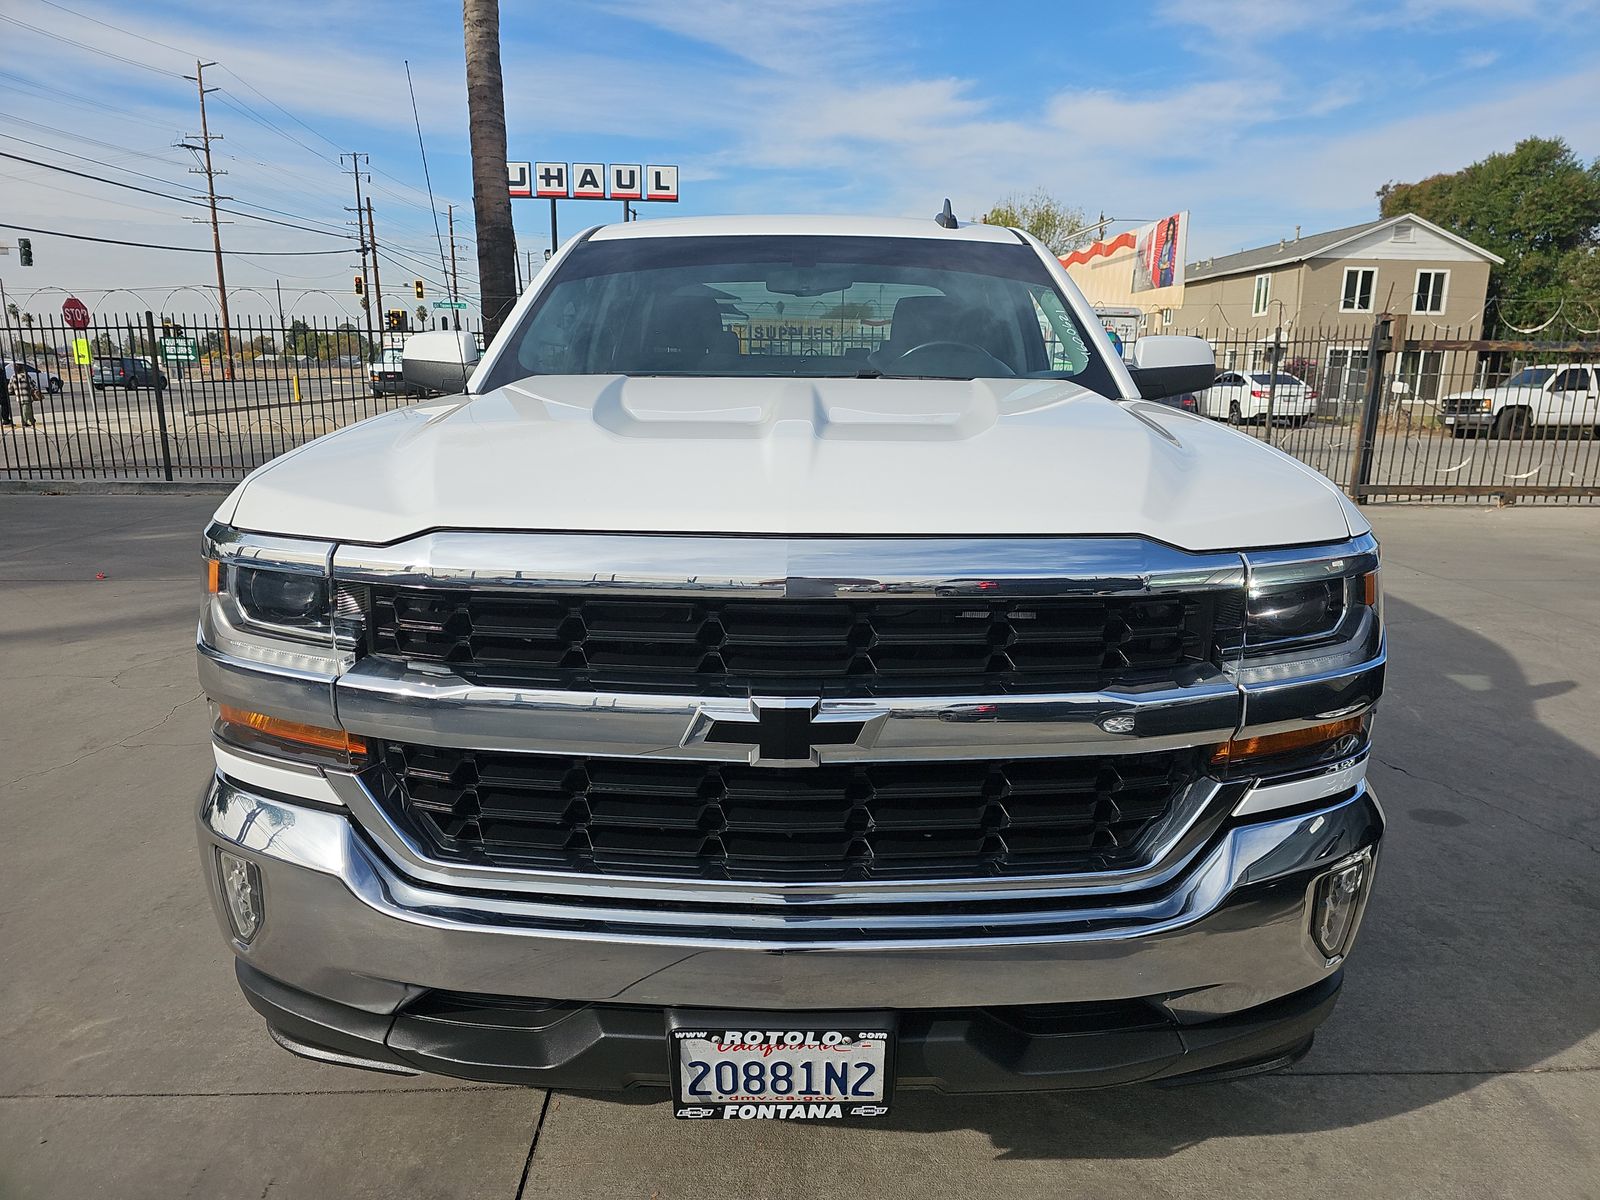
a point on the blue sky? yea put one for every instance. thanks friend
(1257, 116)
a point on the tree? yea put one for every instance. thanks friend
(1059, 226)
(486, 129)
(1538, 207)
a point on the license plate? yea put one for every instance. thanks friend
(781, 1074)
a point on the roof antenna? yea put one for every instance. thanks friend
(946, 219)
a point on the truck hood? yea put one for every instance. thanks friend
(788, 457)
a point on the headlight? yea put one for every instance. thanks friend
(1298, 600)
(271, 599)
(282, 599)
(1298, 610)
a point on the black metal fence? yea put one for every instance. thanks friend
(145, 397)
(1386, 407)
(1391, 408)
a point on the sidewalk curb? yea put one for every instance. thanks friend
(113, 487)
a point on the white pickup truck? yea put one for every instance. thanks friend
(1553, 397)
(794, 665)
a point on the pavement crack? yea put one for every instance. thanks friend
(1489, 804)
(538, 1128)
(121, 743)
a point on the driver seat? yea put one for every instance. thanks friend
(919, 319)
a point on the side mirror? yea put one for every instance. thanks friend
(1166, 364)
(439, 361)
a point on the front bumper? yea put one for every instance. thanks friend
(1473, 419)
(352, 953)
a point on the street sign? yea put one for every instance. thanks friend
(460, 304)
(80, 352)
(75, 313)
(180, 349)
(592, 181)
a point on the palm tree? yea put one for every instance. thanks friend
(491, 197)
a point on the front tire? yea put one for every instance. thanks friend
(1512, 423)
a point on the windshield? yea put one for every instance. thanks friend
(1530, 377)
(819, 307)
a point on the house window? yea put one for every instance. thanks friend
(1166, 318)
(1359, 284)
(1263, 294)
(1430, 294)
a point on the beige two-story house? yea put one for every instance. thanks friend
(1328, 287)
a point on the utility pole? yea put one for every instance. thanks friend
(203, 150)
(486, 128)
(366, 299)
(377, 285)
(454, 289)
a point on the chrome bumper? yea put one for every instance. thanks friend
(1231, 932)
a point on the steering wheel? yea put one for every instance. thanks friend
(963, 352)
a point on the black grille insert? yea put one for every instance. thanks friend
(735, 821)
(873, 647)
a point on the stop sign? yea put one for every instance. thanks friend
(75, 313)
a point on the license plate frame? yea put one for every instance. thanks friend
(850, 1042)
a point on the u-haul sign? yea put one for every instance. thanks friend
(593, 181)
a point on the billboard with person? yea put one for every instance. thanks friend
(1158, 253)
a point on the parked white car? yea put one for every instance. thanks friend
(43, 380)
(1240, 396)
(1557, 396)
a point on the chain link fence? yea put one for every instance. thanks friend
(1388, 408)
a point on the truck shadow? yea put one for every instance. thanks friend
(1476, 957)
(1477, 954)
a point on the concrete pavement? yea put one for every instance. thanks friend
(1464, 1059)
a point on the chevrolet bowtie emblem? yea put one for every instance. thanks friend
(781, 732)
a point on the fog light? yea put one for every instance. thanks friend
(1338, 901)
(241, 893)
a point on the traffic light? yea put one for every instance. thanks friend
(361, 285)
(25, 252)
(396, 320)
(417, 284)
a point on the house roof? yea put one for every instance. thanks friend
(1312, 246)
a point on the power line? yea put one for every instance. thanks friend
(132, 62)
(423, 150)
(132, 187)
(157, 179)
(72, 12)
(83, 237)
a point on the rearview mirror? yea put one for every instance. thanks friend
(1166, 365)
(439, 361)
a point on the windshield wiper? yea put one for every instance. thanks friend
(869, 373)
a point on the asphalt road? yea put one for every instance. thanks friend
(1463, 1061)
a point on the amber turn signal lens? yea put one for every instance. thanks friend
(1286, 743)
(213, 576)
(1369, 589)
(292, 731)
